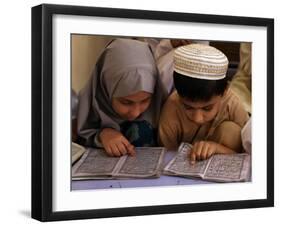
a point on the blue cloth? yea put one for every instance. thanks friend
(139, 133)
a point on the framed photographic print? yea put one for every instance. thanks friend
(98, 143)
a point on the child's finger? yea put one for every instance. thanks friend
(209, 154)
(198, 150)
(115, 150)
(108, 151)
(204, 153)
(131, 150)
(192, 157)
(122, 148)
(125, 141)
(192, 154)
(211, 150)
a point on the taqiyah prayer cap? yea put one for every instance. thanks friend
(200, 61)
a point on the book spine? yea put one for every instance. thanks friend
(118, 166)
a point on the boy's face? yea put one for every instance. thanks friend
(201, 112)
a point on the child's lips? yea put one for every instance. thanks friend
(131, 118)
(199, 123)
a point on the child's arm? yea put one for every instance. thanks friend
(167, 135)
(205, 149)
(238, 114)
(168, 131)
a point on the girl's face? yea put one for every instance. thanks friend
(132, 106)
(201, 112)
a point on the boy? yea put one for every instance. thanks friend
(203, 110)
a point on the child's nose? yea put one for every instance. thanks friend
(135, 112)
(198, 117)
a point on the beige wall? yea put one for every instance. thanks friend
(85, 51)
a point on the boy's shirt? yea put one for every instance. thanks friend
(175, 127)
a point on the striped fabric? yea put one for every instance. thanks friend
(200, 61)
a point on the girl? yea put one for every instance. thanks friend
(119, 107)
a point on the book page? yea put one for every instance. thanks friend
(76, 152)
(180, 164)
(146, 163)
(225, 168)
(95, 162)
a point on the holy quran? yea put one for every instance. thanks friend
(219, 168)
(96, 164)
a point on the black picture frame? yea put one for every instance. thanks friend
(42, 106)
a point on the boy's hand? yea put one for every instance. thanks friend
(202, 150)
(115, 144)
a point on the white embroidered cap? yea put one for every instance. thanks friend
(200, 61)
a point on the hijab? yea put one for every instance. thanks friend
(125, 67)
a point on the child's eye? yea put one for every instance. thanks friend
(207, 108)
(187, 107)
(126, 102)
(146, 100)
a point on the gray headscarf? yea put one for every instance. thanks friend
(125, 67)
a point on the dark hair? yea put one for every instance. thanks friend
(199, 89)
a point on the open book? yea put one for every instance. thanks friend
(219, 167)
(96, 164)
(76, 152)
